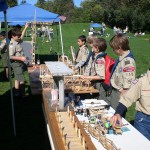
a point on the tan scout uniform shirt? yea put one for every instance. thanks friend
(124, 72)
(15, 48)
(3, 47)
(139, 93)
(96, 67)
(82, 54)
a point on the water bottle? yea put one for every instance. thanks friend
(54, 97)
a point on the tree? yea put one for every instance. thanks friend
(62, 7)
(12, 3)
(40, 3)
(23, 1)
(131, 13)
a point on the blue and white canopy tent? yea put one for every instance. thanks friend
(95, 25)
(30, 13)
(3, 8)
(24, 13)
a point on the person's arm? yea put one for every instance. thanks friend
(116, 120)
(2, 45)
(132, 95)
(91, 77)
(24, 30)
(18, 58)
(79, 64)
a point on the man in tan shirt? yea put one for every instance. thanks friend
(139, 93)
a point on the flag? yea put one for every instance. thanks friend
(3, 5)
(62, 18)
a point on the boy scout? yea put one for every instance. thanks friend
(89, 40)
(95, 70)
(17, 58)
(82, 53)
(139, 93)
(3, 50)
(124, 69)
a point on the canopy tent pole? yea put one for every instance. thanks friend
(0, 26)
(10, 79)
(62, 48)
(57, 39)
(36, 47)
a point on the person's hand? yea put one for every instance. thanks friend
(83, 77)
(26, 25)
(76, 71)
(116, 120)
(123, 92)
(23, 59)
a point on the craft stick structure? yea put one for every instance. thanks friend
(46, 77)
(58, 70)
(76, 84)
(98, 133)
(72, 132)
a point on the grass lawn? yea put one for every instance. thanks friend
(30, 126)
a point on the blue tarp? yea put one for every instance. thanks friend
(95, 25)
(28, 13)
(3, 5)
(16, 23)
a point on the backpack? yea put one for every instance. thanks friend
(109, 63)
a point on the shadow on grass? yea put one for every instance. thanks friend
(31, 133)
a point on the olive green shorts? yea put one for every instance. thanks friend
(114, 98)
(4, 59)
(102, 92)
(18, 71)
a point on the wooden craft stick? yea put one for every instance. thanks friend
(73, 120)
(79, 133)
(72, 53)
(68, 110)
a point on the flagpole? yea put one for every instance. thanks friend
(10, 79)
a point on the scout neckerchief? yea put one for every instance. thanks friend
(103, 54)
(117, 61)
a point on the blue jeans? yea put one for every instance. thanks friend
(142, 124)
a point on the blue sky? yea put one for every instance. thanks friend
(76, 2)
